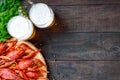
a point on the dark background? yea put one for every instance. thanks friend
(85, 44)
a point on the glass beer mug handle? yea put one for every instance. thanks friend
(22, 11)
(30, 2)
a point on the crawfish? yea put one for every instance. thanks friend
(7, 73)
(29, 69)
(7, 46)
(10, 57)
(30, 64)
(15, 54)
(3, 47)
(29, 52)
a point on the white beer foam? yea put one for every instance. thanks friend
(20, 28)
(41, 15)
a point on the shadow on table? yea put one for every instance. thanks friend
(45, 35)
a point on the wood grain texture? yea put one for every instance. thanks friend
(77, 2)
(103, 18)
(85, 44)
(82, 46)
(92, 18)
(85, 70)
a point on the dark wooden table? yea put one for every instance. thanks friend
(85, 45)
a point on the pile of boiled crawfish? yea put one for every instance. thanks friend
(17, 62)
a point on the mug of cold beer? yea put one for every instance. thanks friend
(41, 15)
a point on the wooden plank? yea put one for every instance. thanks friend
(81, 46)
(85, 70)
(101, 18)
(52, 72)
(77, 2)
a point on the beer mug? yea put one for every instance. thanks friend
(21, 27)
(41, 15)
